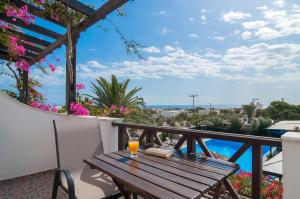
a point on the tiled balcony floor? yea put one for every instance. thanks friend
(36, 186)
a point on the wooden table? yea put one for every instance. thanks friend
(166, 178)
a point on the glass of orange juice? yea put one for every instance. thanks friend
(133, 145)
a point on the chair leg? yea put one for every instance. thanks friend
(56, 184)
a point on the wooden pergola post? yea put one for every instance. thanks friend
(25, 79)
(71, 73)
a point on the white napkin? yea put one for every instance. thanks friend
(159, 152)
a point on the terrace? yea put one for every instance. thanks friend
(28, 151)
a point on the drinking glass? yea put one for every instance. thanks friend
(133, 145)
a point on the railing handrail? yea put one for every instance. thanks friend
(251, 139)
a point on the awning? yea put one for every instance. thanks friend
(273, 166)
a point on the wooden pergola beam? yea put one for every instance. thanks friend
(32, 27)
(34, 10)
(27, 53)
(78, 6)
(99, 14)
(5, 55)
(29, 38)
(32, 48)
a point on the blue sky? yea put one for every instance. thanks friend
(226, 51)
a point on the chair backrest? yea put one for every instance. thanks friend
(76, 139)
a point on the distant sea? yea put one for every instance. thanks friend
(181, 107)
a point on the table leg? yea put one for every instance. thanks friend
(218, 191)
(125, 193)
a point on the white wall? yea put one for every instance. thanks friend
(291, 165)
(27, 143)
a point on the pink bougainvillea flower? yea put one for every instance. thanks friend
(21, 13)
(113, 107)
(54, 109)
(35, 104)
(48, 108)
(80, 86)
(122, 109)
(14, 47)
(43, 107)
(23, 65)
(11, 11)
(78, 109)
(52, 68)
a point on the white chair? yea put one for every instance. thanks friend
(76, 139)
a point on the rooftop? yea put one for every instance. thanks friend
(286, 125)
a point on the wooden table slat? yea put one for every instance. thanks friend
(134, 183)
(161, 182)
(181, 170)
(174, 161)
(169, 176)
(194, 160)
(176, 177)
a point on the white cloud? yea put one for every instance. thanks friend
(220, 38)
(250, 25)
(203, 10)
(152, 49)
(57, 78)
(163, 31)
(246, 35)
(96, 64)
(264, 7)
(263, 56)
(203, 17)
(235, 16)
(162, 12)
(249, 63)
(191, 19)
(193, 35)
(236, 32)
(276, 23)
(279, 3)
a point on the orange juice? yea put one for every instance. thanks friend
(133, 146)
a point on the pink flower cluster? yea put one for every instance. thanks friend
(79, 86)
(23, 65)
(122, 108)
(78, 109)
(52, 68)
(20, 13)
(14, 47)
(44, 107)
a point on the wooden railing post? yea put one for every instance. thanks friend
(191, 145)
(256, 171)
(149, 137)
(121, 138)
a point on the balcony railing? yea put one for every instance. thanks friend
(190, 136)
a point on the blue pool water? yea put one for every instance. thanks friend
(228, 148)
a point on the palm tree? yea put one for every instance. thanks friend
(115, 93)
(249, 110)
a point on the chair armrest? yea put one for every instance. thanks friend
(70, 182)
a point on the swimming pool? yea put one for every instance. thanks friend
(228, 148)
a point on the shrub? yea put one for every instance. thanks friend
(242, 182)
